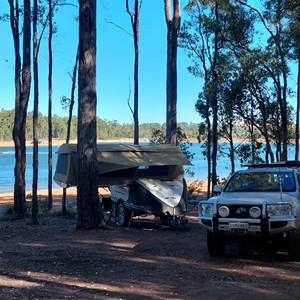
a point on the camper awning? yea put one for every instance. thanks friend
(117, 158)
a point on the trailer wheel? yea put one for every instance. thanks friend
(215, 245)
(167, 219)
(122, 215)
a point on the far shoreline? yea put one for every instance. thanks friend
(58, 142)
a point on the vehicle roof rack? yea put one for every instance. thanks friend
(287, 163)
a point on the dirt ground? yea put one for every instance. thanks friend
(54, 260)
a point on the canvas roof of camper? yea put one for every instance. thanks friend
(122, 163)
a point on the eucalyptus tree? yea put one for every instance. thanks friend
(52, 8)
(50, 168)
(232, 93)
(173, 19)
(69, 103)
(35, 114)
(135, 20)
(293, 15)
(38, 17)
(22, 93)
(201, 38)
(259, 107)
(278, 50)
(273, 57)
(88, 216)
(207, 36)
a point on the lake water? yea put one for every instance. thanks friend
(7, 162)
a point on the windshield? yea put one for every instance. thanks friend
(261, 181)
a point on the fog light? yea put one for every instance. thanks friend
(224, 211)
(255, 212)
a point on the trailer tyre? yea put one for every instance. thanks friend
(122, 215)
(215, 245)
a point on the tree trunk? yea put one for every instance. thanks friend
(215, 100)
(64, 199)
(231, 147)
(50, 200)
(208, 150)
(135, 18)
(173, 28)
(298, 112)
(35, 117)
(284, 114)
(22, 92)
(88, 207)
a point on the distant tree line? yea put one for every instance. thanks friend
(106, 129)
(112, 129)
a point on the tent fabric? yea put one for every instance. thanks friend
(117, 157)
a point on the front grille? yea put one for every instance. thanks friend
(239, 211)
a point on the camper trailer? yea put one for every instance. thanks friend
(144, 179)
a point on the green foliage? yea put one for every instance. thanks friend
(249, 77)
(105, 129)
(6, 124)
(250, 153)
(158, 137)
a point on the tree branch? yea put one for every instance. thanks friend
(119, 27)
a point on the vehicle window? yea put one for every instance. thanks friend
(261, 181)
(62, 163)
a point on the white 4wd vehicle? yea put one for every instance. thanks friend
(259, 204)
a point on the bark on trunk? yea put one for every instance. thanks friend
(88, 208)
(173, 27)
(22, 92)
(50, 167)
(35, 162)
(64, 198)
(135, 19)
(298, 111)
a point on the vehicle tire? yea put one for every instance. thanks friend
(294, 245)
(166, 219)
(122, 215)
(107, 210)
(215, 245)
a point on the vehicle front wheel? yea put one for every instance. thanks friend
(122, 215)
(215, 245)
(294, 245)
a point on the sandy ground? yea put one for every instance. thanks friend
(146, 261)
(7, 199)
(55, 142)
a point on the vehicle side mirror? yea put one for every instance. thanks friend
(217, 189)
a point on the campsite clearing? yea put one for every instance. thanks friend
(146, 261)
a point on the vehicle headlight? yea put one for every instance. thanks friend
(280, 209)
(223, 211)
(255, 212)
(206, 208)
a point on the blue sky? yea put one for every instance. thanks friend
(115, 58)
